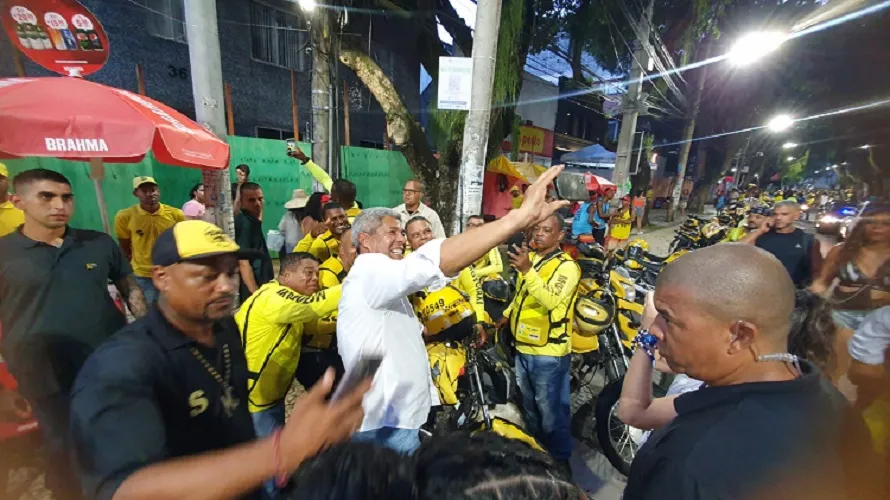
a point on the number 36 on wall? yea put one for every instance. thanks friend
(180, 72)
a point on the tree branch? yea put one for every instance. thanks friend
(455, 26)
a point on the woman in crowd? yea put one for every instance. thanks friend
(620, 225)
(194, 209)
(862, 267)
(812, 337)
(639, 209)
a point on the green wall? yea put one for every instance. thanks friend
(378, 175)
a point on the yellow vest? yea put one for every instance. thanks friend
(321, 333)
(543, 327)
(271, 323)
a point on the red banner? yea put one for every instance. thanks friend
(535, 140)
(60, 35)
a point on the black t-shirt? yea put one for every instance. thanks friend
(143, 397)
(55, 307)
(771, 440)
(249, 235)
(793, 251)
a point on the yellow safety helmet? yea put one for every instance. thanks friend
(496, 288)
(587, 285)
(443, 309)
(593, 314)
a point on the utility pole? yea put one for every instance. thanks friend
(633, 104)
(475, 146)
(207, 87)
(320, 31)
(688, 130)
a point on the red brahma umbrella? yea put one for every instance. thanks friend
(75, 119)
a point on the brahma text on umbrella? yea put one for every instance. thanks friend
(63, 144)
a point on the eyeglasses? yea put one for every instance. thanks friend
(416, 191)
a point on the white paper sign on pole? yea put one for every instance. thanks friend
(455, 82)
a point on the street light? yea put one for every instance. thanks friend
(865, 146)
(307, 5)
(789, 145)
(755, 46)
(780, 123)
(790, 158)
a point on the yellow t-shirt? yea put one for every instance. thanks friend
(10, 218)
(142, 229)
(325, 246)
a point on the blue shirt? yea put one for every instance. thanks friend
(581, 220)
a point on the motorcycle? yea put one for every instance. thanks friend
(472, 382)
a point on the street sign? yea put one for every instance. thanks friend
(455, 82)
(61, 35)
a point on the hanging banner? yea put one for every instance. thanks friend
(61, 35)
(455, 82)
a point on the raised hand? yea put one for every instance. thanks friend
(536, 207)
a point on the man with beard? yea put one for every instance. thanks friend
(160, 410)
(765, 424)
(755, 219)
(327, 244)
(797, 250)
(249, 234)
(139, 226)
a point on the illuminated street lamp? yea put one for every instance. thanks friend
(789, 145)
(307, 5)
(780, 123)
(755, 46)
(865, 146)
(790, 158)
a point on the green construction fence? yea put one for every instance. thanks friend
(378, 175)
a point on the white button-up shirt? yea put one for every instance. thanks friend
(375, 317)
(425, 212)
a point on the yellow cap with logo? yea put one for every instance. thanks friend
(3, 171)
(143, 179)
(195, 239)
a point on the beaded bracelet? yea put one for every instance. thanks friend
(647, 341)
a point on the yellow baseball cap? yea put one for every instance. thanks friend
(3, 171)
(195, 239)
(143, 179)
(514, 189)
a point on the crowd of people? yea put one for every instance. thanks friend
(189, 399)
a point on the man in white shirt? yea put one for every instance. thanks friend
(412, 195)
(375, 316)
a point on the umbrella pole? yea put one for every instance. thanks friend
(97, 173)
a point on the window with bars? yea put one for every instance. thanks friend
(278, 37)
(166, 19)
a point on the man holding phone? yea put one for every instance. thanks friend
(797, 250)
(376, 317)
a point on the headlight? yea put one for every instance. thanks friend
(829, 219)
(804, 207)
(630, 292)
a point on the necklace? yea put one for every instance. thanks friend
(228, 399)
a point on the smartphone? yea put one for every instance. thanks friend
(291, 145)
(572, 186)
(366, 367)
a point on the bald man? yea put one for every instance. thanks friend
(798, 251)
(763, 426)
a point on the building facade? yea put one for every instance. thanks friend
(261, 42)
